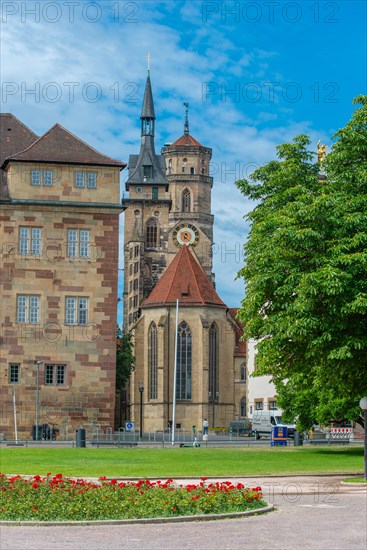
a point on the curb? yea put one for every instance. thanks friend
(177, 519)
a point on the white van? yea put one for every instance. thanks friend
(262, 421)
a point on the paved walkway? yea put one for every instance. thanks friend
(311, 512)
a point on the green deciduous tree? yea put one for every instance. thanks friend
(305, 273)
(125, 360)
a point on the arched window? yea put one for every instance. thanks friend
(243, 407)
(243, 373)
(186, 201)
(184, 362)
(153, 361)
(213, 363)
(152, 233)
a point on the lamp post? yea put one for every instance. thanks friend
(363, 405)
(141, 389)
(38, 363)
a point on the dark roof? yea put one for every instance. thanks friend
(60, 145)
(147, 155)
(186, 281)
(14, 137)
(147, 110)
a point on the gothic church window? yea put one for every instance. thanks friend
(153, 361)
(186, 200)
(243, 407)
(213, 363)
(152, 233)
(184, 362)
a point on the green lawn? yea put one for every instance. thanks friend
(176, 462)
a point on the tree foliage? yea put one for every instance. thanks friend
(305, 273)
(125, 360)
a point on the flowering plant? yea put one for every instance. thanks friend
(55, 498)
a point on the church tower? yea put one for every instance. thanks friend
(146, 216)
(190, 218)
(169, 204)
(168, 258)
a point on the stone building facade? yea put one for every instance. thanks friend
(59, 208)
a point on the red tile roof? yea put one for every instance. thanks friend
(60, 145)
(186, 139)
(186, 281)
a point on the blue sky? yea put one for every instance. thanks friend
(255, 74)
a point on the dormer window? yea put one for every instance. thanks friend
(148, 171)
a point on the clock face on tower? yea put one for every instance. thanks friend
(185, 233)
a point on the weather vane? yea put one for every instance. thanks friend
(186, 128)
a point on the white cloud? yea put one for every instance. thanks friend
(186, 53)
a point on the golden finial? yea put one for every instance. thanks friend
(321, 152)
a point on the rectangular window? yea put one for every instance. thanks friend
(47, 177)
(72, 245)
(76, 310)
(85, 179)
(272, 405)
(84, 235)
(36, 177)
(55, 375)
(14, 374)
(78, 243)
(259, 405)
(79, 179)
(60, 375)
(91, 180)
(49, 374)
(42, 177)
(30, 241)
(28, 309)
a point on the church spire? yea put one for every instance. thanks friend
(147, 167)
(186, 127)
(147, 111)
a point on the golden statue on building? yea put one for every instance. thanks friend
(321, 151)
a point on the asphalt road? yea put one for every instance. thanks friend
(310, 513)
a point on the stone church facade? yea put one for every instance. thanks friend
(168, 259)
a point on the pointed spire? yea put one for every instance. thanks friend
(147, 110)
(186, 127)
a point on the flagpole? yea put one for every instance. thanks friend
(175, 378)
